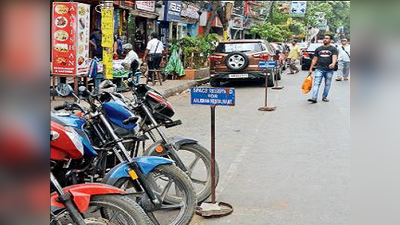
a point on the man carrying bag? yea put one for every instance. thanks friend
(154, 50)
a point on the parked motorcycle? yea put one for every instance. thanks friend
(85, 204)
(160, 185)
(155, 112)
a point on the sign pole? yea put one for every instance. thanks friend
(266, 107)
(277, 87)
(213, 197)
(213, 97)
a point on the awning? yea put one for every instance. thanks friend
(189, 20)
(141, 13)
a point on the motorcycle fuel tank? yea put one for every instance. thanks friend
(117, 112)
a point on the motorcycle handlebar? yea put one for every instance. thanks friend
(69, 106)
(60, 107)
(132, 119)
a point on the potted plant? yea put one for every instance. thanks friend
(195, 52)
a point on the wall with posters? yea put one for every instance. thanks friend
(70, 38)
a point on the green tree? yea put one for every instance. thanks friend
(272, 32)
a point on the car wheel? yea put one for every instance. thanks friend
(237, 61)
(215, 83)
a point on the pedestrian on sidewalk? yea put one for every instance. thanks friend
(344, 60)
(325, 59)
(154, 50)
(293, 56)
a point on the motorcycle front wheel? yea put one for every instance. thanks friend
(106, 210)
(197, 160)
(174, 189)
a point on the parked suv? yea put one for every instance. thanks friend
(239, 59)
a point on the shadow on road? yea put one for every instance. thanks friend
(243, 84)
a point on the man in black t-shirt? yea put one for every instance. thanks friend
(325, 58)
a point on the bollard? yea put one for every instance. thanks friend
(266, 107)
(277, 87)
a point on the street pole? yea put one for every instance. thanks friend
(213, 198)
(266, 108)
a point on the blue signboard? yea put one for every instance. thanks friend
(266, 64)
(213, 96)
(173, 11)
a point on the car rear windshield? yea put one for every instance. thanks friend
(302, 45)
(239, 47)
(312, 47)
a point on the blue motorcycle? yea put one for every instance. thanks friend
(163, 190)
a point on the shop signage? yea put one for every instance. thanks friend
(237, 22)
(190, 11)
(70, 38)
(248, 22)
(149, 6)
(213, 96)
(173, 11)
(216, 22)
(298, 8)
(107, 27)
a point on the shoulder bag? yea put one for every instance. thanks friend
(152, 55)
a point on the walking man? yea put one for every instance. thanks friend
(325, 58)
(344, 61)
(154, 50)
(293, 56)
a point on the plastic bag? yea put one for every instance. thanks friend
(307, 85)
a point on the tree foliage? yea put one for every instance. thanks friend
(337, 14)
(196, 49)
(272, 32)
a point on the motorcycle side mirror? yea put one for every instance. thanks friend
(64, 90)
(130, 82)
(83, 91)
(82, 88)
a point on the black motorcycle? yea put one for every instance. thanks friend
(156, 112)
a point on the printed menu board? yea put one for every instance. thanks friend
(70, 38)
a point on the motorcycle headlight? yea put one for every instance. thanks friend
(76, 138)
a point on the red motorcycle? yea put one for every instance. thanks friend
(95, 204)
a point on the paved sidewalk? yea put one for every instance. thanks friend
(169, 88)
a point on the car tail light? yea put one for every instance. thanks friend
(262, 56)
(306, 55)
(216, 58)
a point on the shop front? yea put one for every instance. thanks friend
(170, 25)
(190, 19)
(236, 25)
(247, 23)
(216, 27)
(143, 20)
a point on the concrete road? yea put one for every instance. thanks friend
(288, 167)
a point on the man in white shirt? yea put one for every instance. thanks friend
(131, 61)
(154, 50)
(344, 61)
(130, 56)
